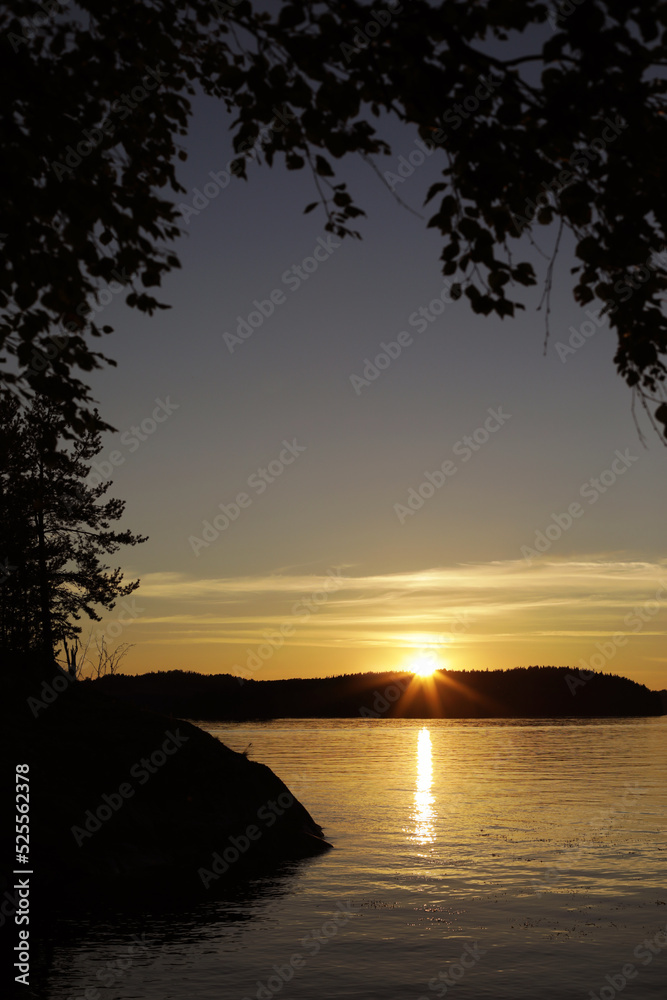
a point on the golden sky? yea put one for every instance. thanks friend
(603, 614)
(276, 470)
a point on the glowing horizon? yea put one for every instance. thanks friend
(536, 545)
(499, 614)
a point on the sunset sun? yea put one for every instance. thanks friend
(423, 664)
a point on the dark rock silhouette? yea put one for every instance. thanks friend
(122, 796)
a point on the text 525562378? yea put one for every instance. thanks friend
(22, 885)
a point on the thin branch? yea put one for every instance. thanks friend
(366, 157)
(548, 284)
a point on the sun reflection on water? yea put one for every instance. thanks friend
(424, 813)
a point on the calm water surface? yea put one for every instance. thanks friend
(474, 859)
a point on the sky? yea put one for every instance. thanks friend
(471, 497)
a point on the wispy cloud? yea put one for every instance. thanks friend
(500, 602)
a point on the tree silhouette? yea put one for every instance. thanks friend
(54, 530)
(540, 117)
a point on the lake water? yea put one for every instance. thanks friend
(473, 859)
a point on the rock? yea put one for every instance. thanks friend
(122, 796)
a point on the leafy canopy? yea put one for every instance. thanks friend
(572, 134)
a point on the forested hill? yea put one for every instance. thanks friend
(523, 692)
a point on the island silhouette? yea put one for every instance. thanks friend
(520, 692)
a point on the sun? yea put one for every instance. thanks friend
(423, 664)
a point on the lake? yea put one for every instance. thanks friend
(473, 858)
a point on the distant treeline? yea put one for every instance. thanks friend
(523, 692)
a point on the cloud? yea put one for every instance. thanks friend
(497, 601)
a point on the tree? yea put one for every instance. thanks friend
(540, 117)
(54, 530)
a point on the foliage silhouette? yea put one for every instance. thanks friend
(571, 134)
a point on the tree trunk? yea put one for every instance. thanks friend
(46, 643)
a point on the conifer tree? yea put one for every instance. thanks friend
(56, 530)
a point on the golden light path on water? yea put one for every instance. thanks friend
(424, 812)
